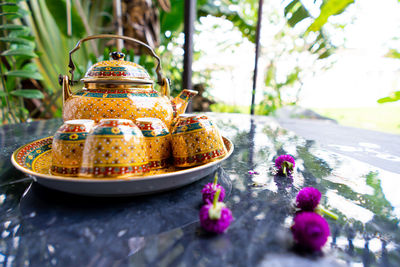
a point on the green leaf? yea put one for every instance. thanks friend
(3, 93)
(19, 52)
(32, 67)
(22, 39)
(300, 14)
(28, 93)
(385, 100)
(173, 20)
(321, 45)
(393, 53)
(15, 40)
(293, 77)
(291, 6)
(326, 54)
(10, 8)
(328, 8)
(24, 74)
(12, 27)
(12, 14)
(8, 4)
(23, 12)
(248, 30)
(59, 13)
(395, 96)
(270, 75)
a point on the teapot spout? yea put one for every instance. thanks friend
(180, 102)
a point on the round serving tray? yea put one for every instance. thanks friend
(34, 159)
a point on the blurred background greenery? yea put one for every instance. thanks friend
(36, 36)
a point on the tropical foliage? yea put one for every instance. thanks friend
(172, 25)
(44, 56)
(36, 38)
(315, 44)
(18, 49)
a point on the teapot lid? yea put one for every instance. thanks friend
(117, 70)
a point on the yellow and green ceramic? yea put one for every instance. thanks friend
(121, 89)
(114, 148)
(34, 159)
(158, 140)
(68, 144)
(195, 141)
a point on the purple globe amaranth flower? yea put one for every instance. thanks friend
(215, 217)
(310, 231)
(215, 225)
(209, 191)
(308, 198)
(285, 164)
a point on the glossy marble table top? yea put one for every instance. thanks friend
(42, 227)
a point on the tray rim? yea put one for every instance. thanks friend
(113, 180)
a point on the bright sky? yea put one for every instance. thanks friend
(359, 76)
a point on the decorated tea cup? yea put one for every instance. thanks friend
(67, 147)
(114, 148)
(158, 140)
(195, 141)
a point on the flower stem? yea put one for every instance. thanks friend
(216, 197)
(215, 180)
(287, 167)
(321, 210)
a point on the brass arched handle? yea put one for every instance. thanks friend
(71, 65)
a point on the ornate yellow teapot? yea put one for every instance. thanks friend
(122, 89)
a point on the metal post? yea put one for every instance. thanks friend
(253, 92)
(190, 15)
(118, 15)
(69, 21)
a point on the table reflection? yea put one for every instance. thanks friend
(42, 227)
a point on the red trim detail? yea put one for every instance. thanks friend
(64, 170)
(72, 129)
(158, 164)
(200, 158)
(191, 120)
(115, 171)
(115, 123)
